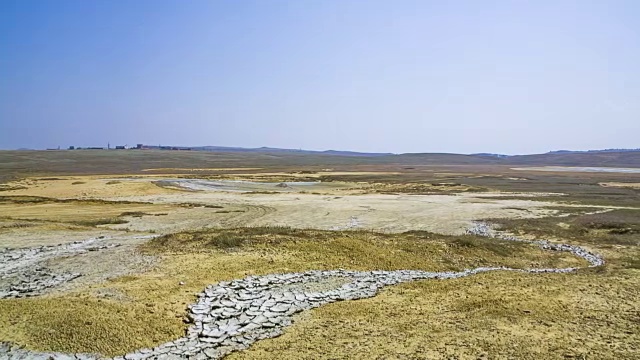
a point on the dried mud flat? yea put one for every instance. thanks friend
(219, 204)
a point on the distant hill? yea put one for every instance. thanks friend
(594, 159)
(436, 159)
(587, 158)
(607, 157)
(591, 151)
(134, 161)
(279, 150)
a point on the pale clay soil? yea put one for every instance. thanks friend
(446, 214)
(331, 206)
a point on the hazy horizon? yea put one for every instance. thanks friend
(199, 148)
(402, 77)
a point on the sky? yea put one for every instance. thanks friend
(511, 77)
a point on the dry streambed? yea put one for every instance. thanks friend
(230, 316)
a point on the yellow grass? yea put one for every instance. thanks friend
(493, 315)
(150, 307)
(74, 212)
(65, 187)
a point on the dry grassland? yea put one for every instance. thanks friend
(142, 310)
(490, 316)
(74, 187)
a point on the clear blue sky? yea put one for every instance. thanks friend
(388, 76)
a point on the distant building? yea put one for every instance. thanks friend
(72, 147)
(120, 147)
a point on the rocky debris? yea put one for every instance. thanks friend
(33, 282)
(14, 260)
(484, 229)
(232, 315)
(13, 352)
(22, 273)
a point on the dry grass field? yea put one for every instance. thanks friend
(148, 308)
(366, 214)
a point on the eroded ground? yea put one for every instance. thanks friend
(134, 295)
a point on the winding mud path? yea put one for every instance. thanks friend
(230, 316)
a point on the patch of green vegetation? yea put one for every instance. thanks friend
(78, 182)
(500, 248)
(279, 236)
(113, 182)
(226, 241)
(612, 220)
